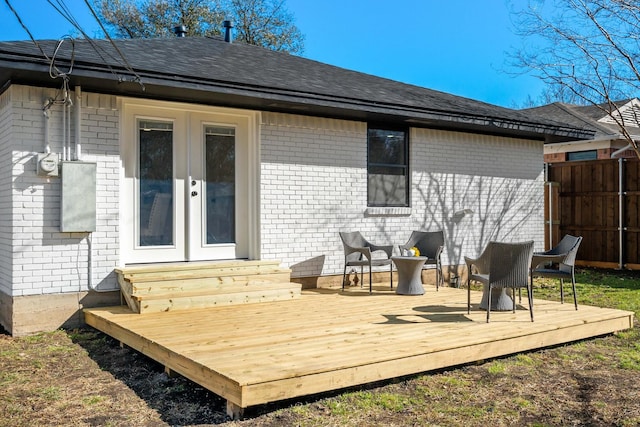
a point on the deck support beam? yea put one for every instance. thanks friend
(234, 411)
(170, 372)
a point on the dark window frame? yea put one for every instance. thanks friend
(403, 166)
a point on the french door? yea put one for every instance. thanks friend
(187, 190)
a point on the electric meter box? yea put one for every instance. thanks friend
(78, 198)
(47, 164)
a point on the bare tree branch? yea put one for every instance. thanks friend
(587, 51)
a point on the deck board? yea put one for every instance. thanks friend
(327, 340)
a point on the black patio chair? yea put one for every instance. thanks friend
(501, 265)
(359, 252)
(558, 263)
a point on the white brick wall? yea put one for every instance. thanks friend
(46, 260)
(500, 179)
(314, 185)
(6, 136)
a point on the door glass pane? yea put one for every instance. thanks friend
(220, 179)
(156, 183)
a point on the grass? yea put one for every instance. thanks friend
(601, 288)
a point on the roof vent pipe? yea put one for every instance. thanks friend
(228, 25)
(180, 31)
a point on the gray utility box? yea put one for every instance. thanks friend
(78, 199)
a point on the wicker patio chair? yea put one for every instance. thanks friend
(431, 245)
(501, 265)
(559, 263)
(359, 252)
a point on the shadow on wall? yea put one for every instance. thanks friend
(473, 210)
(311, 267)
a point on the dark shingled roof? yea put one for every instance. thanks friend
(580, 116)
(564, 113)
(214, 72)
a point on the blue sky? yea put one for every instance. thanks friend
(455, 46)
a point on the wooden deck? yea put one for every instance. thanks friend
(326, 340)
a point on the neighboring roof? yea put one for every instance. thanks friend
(214, 72)
(591, 117)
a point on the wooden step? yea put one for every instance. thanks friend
(191, 284)
(185, 270)
(174, 286)
(246, 295)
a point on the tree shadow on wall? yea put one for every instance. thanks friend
(473, 210)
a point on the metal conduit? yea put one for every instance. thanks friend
(549, 204)
(620, 212)
(621, 194)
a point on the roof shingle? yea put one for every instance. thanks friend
(210, 70)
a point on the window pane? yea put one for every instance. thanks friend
(155, 183)
(386, 147)
(582, 155)
(388, 168)
(387, 190)
(220, 158)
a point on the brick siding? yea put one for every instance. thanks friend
(45, 260)
(314, 184)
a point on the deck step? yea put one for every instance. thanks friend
(181, 286)
(248, 294)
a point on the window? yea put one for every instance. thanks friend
(387, 167)
(582, 155)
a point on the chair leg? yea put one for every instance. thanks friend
(573, 286)
(489, 304)
(530, 294)
(391, 274)
(562, 291)
(344, 275)
(530, 291)
(529, 286)
(468, 296)
(513, 298)
(370, 280)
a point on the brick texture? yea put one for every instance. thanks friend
(45, 260)
(314, 184)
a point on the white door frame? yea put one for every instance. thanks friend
(184, 117)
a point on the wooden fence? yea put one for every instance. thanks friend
(598, 200)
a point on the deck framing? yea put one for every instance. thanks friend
(327, 340)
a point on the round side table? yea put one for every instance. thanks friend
(409, 274)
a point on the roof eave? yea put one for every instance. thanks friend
(179, 88)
